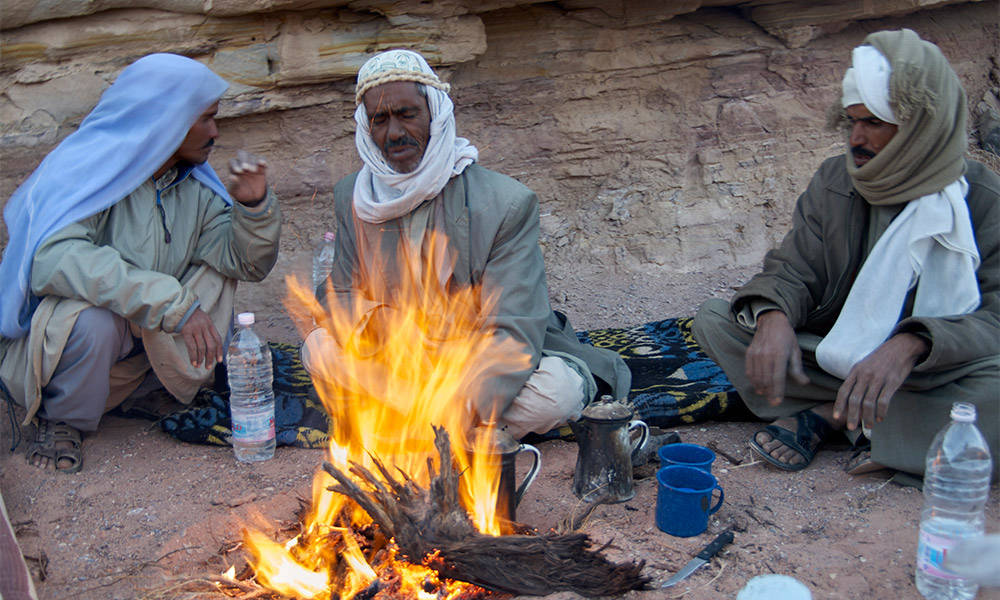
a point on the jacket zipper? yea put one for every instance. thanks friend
(163, 216)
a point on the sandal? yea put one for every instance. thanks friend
(58, 442)
(861, 463)
(809, 425)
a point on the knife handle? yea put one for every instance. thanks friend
(712, 549)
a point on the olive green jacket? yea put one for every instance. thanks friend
(810, 274)
(491, 224)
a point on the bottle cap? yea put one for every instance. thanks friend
(964, 412)
(245, 318)
(329, 236)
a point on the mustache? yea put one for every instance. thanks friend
(406, 140)
(862, 152)
(210, 143)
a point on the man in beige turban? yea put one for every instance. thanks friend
(881, 307)
(419, 182)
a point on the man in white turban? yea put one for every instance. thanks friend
(419, 187)
(124, 252)
(881, 307)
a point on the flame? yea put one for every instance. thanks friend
(406, 353)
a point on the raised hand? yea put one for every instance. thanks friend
(248, 178)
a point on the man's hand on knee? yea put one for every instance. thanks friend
(203, 343)
(863, 398)
(773, 355)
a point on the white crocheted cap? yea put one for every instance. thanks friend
(395, 65)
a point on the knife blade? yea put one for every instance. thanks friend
(702, 557)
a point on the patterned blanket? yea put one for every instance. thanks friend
(299, 417)
(673, 382)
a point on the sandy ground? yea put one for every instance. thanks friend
(147, 511)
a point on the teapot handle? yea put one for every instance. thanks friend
(641, 442)
(532, 472)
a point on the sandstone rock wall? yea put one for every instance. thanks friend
(665, 139)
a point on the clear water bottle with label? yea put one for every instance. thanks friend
(322, 262)
(251, 397)
(956, 487)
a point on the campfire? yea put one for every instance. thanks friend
(406, 503)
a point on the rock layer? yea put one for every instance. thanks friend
(662, 138)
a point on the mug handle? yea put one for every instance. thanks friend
(532, 472)
(638, 445)
(718, 504)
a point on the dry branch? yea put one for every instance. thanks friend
(430, 526)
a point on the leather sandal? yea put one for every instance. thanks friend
(58, 442)
(861, 463)
(810, 431)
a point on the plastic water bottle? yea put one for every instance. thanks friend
(251, 397)
(956, 487)
(323, 260)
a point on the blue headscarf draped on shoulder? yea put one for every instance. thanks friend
(137, 125)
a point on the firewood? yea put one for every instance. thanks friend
(431, 527)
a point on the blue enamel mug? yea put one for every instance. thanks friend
(684, 500)
(688, 455)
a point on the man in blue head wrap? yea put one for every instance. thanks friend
(124, 252)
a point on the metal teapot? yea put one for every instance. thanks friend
(503, 450)
(605, 451)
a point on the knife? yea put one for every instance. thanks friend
(703, 557)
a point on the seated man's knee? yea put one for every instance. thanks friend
(553, 395)
(316, 352)
(98, 327)
(713, 314)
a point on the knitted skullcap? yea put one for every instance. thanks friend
(396, 65)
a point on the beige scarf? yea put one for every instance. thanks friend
(930, 244)
(927, 153)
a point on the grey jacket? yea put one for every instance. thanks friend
(810, 274)
(121, 259)
(491, 223)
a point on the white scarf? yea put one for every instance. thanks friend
(380, 193)
(930, 244)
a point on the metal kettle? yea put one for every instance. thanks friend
(503, 450)
(605, 451)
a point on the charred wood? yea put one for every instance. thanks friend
(431, 527)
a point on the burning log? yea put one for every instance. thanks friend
(430, 526)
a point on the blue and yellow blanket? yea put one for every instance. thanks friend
(673, 383)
